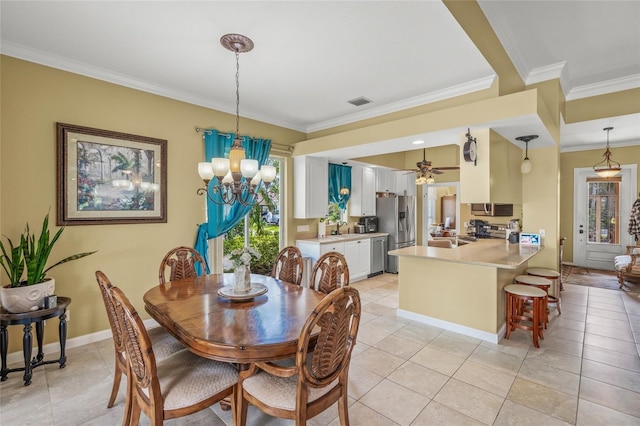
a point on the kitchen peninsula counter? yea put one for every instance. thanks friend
(488, 252)
(460, 289)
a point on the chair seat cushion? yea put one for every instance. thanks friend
(624, 259)
(164, 344)
(280, 392)
(186, 379)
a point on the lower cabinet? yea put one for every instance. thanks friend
(358, 255)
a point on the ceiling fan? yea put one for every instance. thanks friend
(424, 167)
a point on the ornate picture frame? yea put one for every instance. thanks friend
(106, 177)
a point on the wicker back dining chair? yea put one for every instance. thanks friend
(319, 378)
(288, 265)
(164, 344)
(330, 272)
(181, 263)
(179, 385)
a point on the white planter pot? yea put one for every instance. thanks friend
(27, 298)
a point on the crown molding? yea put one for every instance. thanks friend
(601, 147)
(438, 95)
(81, 68)
(604, 87)
(549, 72)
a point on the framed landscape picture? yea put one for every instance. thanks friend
(106, 177)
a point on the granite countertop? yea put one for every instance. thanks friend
(343, 237)
(490, 252)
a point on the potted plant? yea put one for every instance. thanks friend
(32, 254)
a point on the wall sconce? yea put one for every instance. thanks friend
(526, 165)
(604, 168)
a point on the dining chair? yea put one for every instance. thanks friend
(319, 378)
(330, 272)
(181, 262)
(179, 385)
(288, 266)
(164, 344)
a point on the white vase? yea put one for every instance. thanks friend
(26, 298)
(242, 279)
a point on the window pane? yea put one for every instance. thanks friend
(603, 211)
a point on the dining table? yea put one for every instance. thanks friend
(265, 327)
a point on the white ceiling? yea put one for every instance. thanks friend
(310, 57)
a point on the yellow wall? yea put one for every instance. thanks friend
(34, 98)
(580, 159)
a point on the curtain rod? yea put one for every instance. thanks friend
(275, 146)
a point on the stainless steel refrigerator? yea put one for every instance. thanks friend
(397, 217)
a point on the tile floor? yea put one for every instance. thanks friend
(587, 372)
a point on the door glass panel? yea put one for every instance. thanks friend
(603, 210)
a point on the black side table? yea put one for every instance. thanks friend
(26, 318)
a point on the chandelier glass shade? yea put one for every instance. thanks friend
(607, 167)
(238, 177)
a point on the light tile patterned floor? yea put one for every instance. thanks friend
(586, 372)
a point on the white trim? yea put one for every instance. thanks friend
(438, 95)
(549, 72)
(54, 347)
(586, 147)
(76, 67)
(604, 87)
(456, 328)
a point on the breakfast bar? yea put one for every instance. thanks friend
(460, 289)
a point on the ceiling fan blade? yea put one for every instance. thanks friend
(436, 172)
(447, 168)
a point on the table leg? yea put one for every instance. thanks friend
(39, 337)
(4, 344)
(62, 331)
(26, 349)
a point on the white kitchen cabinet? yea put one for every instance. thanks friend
(405, 183)
(358, 256)
(356, 251)
(385, 180)
(310, 187)
(363, 192)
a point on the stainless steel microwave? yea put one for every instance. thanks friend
(491, 209)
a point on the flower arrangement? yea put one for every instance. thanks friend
(237, 257)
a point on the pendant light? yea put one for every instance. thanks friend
(526, 165)
(605, 168)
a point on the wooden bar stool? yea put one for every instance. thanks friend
(517, 296)
(552, 275)
(542, 284)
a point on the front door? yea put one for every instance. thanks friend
(601, 214)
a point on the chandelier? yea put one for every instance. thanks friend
(605, 168)
(238, 177)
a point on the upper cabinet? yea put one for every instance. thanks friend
(363, 192)
(310, 187)
(405, 183)
(385, 180)
(496, 177)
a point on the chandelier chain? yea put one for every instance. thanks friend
(237, 94)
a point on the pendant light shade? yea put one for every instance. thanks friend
(607, 167)
(526, 165)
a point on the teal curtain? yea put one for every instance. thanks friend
(202, 247)
(339, 178)
(221, 218)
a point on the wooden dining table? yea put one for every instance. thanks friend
(265, 328)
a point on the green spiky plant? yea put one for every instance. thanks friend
(32, 254)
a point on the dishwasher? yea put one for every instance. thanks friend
(378, 255)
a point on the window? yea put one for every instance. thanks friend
(603, 210)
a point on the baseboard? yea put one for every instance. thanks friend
(457, 328)
(54, 347)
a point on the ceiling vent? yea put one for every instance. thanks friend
(360, 101)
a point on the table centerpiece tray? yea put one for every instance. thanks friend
(229, 292)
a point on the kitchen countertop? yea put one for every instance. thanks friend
(343, 237)
(487, 252)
